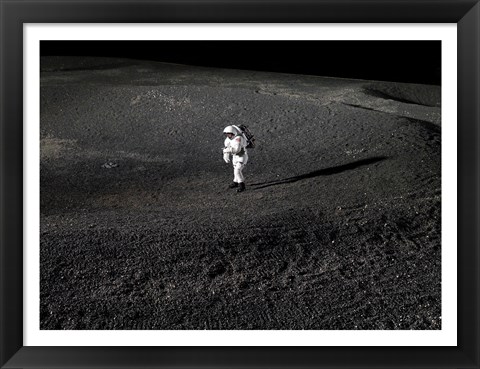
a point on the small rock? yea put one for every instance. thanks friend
(110, 165)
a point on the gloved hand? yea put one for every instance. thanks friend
(226, 157)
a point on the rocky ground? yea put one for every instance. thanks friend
(339, 227)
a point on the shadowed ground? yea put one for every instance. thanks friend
(321, 172)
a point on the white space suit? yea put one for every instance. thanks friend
(235, 145)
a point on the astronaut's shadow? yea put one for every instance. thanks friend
(321, 172)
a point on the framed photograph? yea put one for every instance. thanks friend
(228, 184)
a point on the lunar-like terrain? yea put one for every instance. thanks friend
(339, 228)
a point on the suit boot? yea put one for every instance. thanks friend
(241, 187)
(233, 185)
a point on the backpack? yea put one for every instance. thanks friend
(248, 135)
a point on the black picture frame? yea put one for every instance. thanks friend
(14, 13)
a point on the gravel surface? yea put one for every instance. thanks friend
(340, 226)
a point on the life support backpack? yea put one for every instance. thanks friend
(248, 135)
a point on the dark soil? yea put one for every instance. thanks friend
(339, 227)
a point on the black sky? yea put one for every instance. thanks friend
(398, 61)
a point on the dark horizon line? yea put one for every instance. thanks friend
(396, 61)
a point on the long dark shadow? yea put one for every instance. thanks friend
(426, 124)
(321, 172)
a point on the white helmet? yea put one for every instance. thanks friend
(230, 129)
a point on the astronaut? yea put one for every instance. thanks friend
(235, 145)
